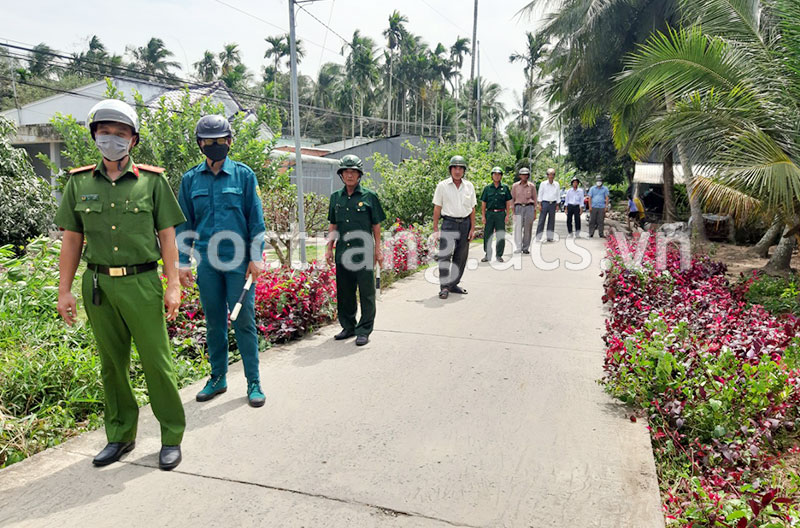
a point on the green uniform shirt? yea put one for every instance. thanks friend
(496, 197)
(119, 219)
(357, 212)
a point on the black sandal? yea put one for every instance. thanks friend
(458, 289)
(443, 293)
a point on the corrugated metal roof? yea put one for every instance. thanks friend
(652, 173)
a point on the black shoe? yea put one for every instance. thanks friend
(169, 457)
(112, 452)
(499, 259)
(362, 340)
(591, 235)
(458, 289)
(344, 334)
(602, 236)
(443, 293)
(526, 251)
(485, 259)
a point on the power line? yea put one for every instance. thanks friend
(173, 79)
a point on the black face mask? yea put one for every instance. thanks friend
(216, 152)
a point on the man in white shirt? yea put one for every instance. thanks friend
(454, 202)
(574, 204)
(549, 193)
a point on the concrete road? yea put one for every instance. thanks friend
(480, 410)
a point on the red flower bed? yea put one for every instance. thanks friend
(720, 381)
(291, 302)
(288, 304)
(406, 250)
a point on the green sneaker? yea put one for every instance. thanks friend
(255, 397)
(216, 385)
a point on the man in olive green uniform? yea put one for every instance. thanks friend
(355, 215)
(126, 214)
(495, 208)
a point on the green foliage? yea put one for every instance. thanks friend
(26, 203)
(50, 386)
(407, 189)
(167, 137)
(778, 295)
(592, 151)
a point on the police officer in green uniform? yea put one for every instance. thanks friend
(126, 214)
(496, 203)
(355, 215)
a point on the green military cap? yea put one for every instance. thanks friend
(497, 169)
(350, 161)
(457, 161)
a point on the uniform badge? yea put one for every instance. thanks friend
(85, 197)
(360, 204)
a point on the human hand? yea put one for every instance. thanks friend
(186, 277)
(67, 307)
(255, 269)
(329, 257)
(172, 301)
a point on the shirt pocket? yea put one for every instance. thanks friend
(90, 214)
(200, 202)
(232, 197)
(138, 216)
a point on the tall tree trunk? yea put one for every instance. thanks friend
(441, 123)
(361, 117)
(770, 238)
(780, 262)
(669, 184)
(352, 116)
(698, 225)
(389, 106)
(422, 130)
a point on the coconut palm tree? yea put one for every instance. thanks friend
(735, 84)
(529, 58)
(41, 61)
(206, 68)
(151, 60)
(394, 35)
(361, 66)
(459, 49)
(229, 57)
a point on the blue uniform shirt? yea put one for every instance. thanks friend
(226, 202)
(598, 196)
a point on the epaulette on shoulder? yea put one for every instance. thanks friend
(150, 168)
(83, 169)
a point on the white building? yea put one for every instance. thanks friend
(36, 134)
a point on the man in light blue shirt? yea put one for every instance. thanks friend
(598, 203)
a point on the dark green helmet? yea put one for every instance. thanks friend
(497, 169)
(350, 161)
(457, 161)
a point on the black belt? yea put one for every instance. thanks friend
(455, 219)
(525, 205)
(496, 210)
(548, 201)
(122, 271)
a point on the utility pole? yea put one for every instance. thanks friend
(478, 122)
(298, 155)
(472, 66)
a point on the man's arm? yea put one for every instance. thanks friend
(471, 225)
(376, 234)
(71, 247)
(483, 211)
(437, 213)
(332, 236)
(169, 255)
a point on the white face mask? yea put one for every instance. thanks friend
(113, 148)
(599, 184)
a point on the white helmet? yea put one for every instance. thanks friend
(115, 111)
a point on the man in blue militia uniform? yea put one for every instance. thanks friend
(225, 227)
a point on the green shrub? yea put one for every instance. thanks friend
(26, 204)
(778, 295)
